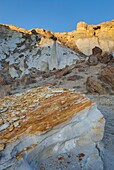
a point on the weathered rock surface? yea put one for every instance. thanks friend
(44, 124)
(106, 58)
(23, 52)
(103, 83)
(86, 37)
(93, 85)
(107, 76)
(102, 57)
(92, 60)
(96, 51)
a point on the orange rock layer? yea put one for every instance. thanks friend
(15, 28)
(41, 109)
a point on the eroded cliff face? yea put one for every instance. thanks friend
(23, 52)
(42, 123)
(86, 37)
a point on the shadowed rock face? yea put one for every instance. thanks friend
(44, 122)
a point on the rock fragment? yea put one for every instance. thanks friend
(4, 126)
(92, 60)
(107, 76)
(93, 85)
(2, 146)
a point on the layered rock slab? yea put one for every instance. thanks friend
(43, 123)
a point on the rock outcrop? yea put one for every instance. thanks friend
(43, 123)
(23, 52)
(103, 83)
(86, 37)
(102, 57)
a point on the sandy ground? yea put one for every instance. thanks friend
(108, 139)
(106, 106)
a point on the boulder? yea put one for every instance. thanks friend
(106, 58)
(103, 58)
(96, 50)
(107, 75)
(92, 60)
(46, 125)
(93, 85)
(103, 83)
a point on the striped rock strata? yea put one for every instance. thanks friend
(43, 122)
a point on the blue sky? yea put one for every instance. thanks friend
(55, 15)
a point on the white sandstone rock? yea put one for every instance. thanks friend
(54, 127)
(17, 50)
